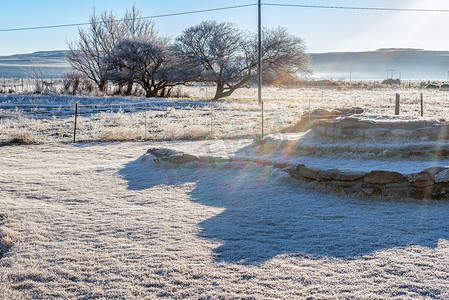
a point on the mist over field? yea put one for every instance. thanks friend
(413, 64)
(52, 64)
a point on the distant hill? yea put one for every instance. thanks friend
(405, 63)
(50, 63)
(415, 64)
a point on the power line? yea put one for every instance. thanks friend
(141, 18)
(358, 8)
(235, 7)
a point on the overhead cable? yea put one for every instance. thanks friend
(120, 20)
(235, 7)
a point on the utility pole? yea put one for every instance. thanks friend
(259, 61)
(389, 70)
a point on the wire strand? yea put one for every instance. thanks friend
(121, 20)
(358, 8)
(235, 7)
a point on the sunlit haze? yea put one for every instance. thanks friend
(324, 29)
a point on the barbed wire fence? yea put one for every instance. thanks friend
(50, 119)
(147, 120)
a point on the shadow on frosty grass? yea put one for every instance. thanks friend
(266, 214)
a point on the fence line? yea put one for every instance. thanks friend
(170, 119)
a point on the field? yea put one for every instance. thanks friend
(99, 222)
(93, 220)
(50, 118)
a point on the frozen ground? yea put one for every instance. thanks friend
(50, 118)
(340, 154)
(93, 220)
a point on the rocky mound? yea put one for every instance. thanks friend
(357, 154)
(432, 182)
(369, 137)
(360, 128)
(429, 183)
(308, 119)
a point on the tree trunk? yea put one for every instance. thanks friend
(222, 92)
(219, 91)
(150, 93)
(102, 85)
(129, 88)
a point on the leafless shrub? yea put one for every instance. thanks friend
(70, 82)
(178, 92)
(76, 83)
(94, 44)
(37, 76)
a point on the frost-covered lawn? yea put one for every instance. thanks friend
(93, 220)
(50, 118)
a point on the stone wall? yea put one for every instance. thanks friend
(430, 183)
(354, 128)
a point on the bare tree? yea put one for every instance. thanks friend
(135, 27)
(149, 63)
(95, 43)
(283, 56)
(228, 56)
(217, 48)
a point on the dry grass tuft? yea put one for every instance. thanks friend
(119, 135)
(182, 132)
(22, 136)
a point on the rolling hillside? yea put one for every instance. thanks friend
(395, 63)
(415, 64)
(50, 63)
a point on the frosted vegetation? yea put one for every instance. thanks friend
(50, 118)
(102, 223)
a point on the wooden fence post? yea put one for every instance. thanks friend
(211, 119)
(146, 119)
(396, 108)
(76, 115)
(422, 106)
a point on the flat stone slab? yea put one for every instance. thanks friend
(383, 177)
(389, 178)
(396, 178)
(171, 156)
(433, 183)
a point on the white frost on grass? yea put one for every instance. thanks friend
(95, 221)
(50, 117)
(282, 148)
(401, 166)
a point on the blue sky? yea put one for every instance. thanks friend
(324, 30)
